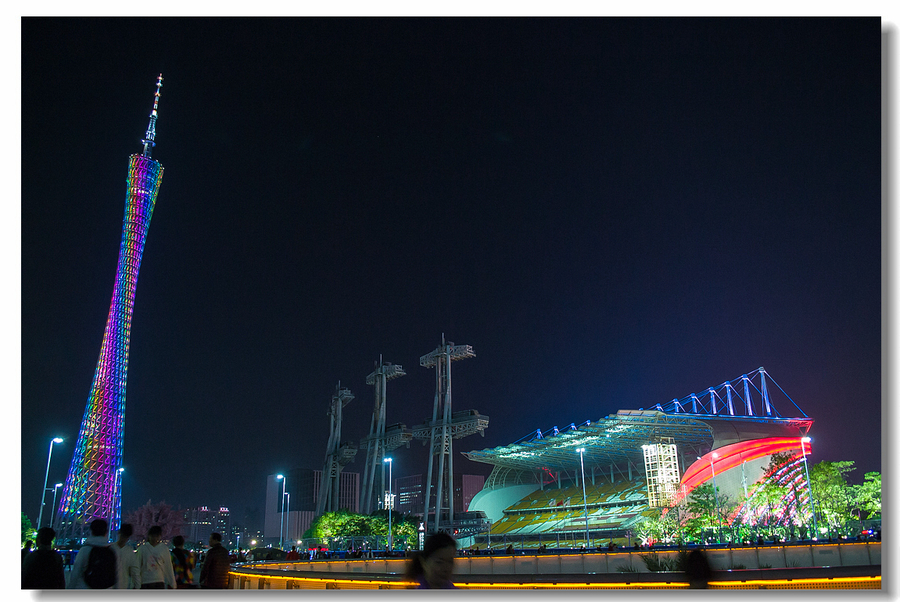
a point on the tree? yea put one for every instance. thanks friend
(768, 504)
(774, 503)
(343, 523)
(869, 493)
(865, 499)
(833, 496)
(162, 514)
(704, 506)
(406, 530)
(340, 523)
(28, 531)
(659, 526)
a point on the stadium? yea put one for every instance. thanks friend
(592, 483)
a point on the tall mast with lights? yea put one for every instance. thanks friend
(337, 455)
(90, 490)
(439, 432)
(379, 441)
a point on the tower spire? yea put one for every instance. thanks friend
(149, 137)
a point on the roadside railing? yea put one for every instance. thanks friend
(853, 565)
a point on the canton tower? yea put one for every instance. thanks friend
(92, 489)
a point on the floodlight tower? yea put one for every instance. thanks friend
(336, 455)
(442, 429)
(90, 490)
(375, 443)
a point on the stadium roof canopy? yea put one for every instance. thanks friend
(611, 440)
(617, 439)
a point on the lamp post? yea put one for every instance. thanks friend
(809, 485)
(587, 534)
(53, 510)
(390, 502)
(114, 519)
(715, 492)
(283, 480)
(46, 478)
(287, 519)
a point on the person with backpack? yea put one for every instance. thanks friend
(95, 564)
(155, 562)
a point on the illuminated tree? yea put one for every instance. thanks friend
(832, 493)
(407, 531)
(706, 508)
(659, 527)
(162, 514)
(865, 499)
(339, 524)
(776, 504)
(343, 523)
(869, 494)
(28, 531)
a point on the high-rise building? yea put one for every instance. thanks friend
(411, 500)
(465, 486)
(92, 489)
(202, 521)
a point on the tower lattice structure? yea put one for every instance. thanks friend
(92, 489)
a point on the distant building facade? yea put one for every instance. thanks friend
(465, 487)
(411, 497)
(202, 521)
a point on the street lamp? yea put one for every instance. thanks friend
(287, 520)
(809, 485)
(53, 511)
(283, 480)
(46, 477)
(390, 501)
(715, 492)
(114, 520)
(587, 534)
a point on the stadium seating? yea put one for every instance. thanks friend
(611, 507)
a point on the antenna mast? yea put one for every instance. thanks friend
(148, 140)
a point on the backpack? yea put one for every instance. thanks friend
(100, 572)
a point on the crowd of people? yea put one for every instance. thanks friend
(101, 564)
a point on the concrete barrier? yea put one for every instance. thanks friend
(625, 561)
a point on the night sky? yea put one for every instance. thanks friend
(612, 212)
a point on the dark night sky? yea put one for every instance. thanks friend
(613, 213)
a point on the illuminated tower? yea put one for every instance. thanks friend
(91, 489)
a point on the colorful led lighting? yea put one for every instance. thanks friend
(816, 582)
(731, 456)
(90, 489)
